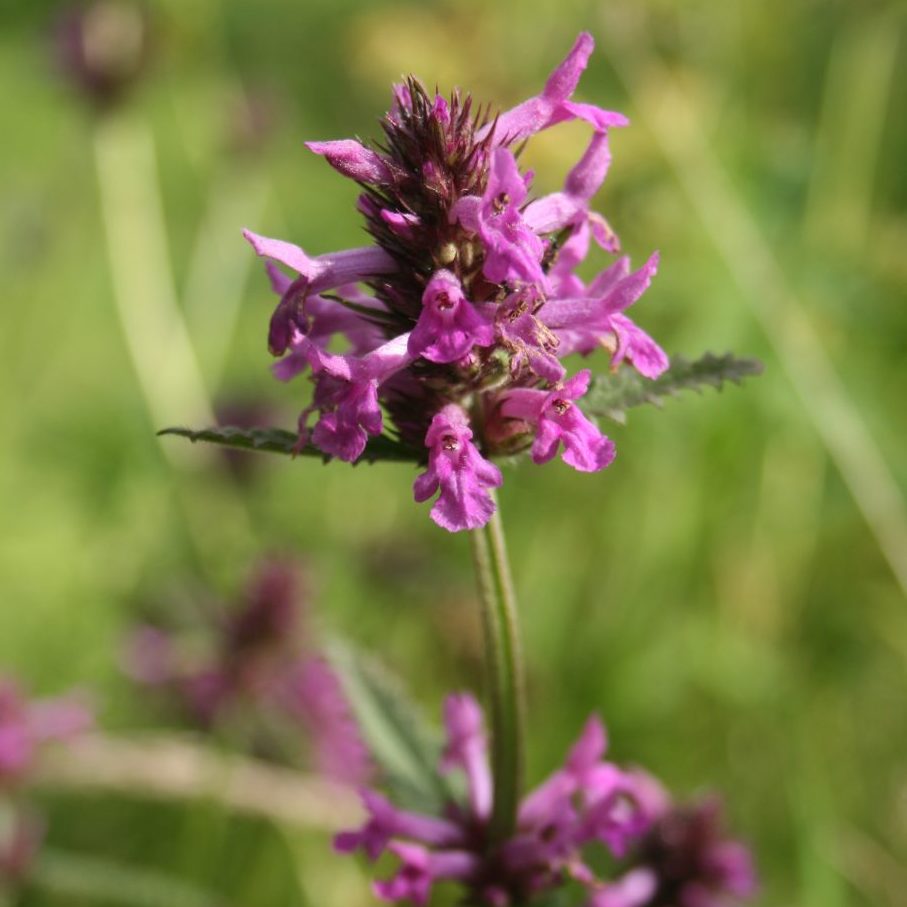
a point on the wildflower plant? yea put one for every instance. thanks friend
(455, 347)
(447, 342)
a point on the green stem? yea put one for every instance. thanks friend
(505, 673)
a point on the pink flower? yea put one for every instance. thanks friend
(347, 393)
(449, 327)
(554, 104)
(570, 208)
(559, 421)
(467, 749)
(459, 471)
(326, 272)
(597, 318)
(386, 822)
(531, 344)
(512, 250)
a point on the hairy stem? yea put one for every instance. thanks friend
(505, 672)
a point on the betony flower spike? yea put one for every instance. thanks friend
(667, 851)
(456, 322)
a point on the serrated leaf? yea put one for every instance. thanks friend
(403, 744)
(278, 440)
(613, 395)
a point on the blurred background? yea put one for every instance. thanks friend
(731, 595)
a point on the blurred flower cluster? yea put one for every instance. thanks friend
(670, 855)
(26, 728)
(256, 671)
(101, 48)
(473, 296)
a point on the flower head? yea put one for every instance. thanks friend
(470, 300)
(587, 803)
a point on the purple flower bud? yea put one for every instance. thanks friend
(102, 48)
(351, 159)
(401, 224)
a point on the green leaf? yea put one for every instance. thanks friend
(613, 395)
(403, 744)
(277, 440)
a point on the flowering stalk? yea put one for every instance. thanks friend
(662, 854)
(454, 321)
(504, 662)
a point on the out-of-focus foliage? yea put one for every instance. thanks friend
(723, 594)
